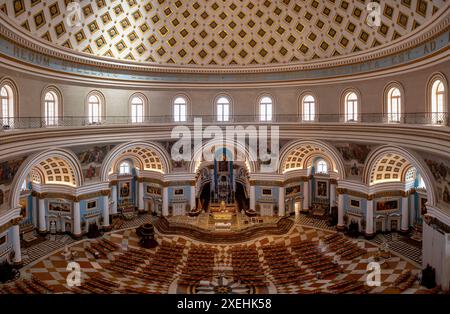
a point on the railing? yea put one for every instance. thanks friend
(421, 118)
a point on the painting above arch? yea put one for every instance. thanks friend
(354, 156)
(91, 159)
(440, 169)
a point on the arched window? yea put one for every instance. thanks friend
(223, 109)
(394, 98)
(137, 110)
(51, 108)
(7, 103)
(437, 102)
(94, 109)
(322, 166)
(124, 168)
(265, 109)
(351, 107)
(180, 109)
(309, 110)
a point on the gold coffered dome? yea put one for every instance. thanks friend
(219, 32)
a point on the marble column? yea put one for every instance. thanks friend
(310, 198)
(332, 193)
(281, 203)
(141, 206)
(105, 203)
(16, 244)
(42, 220)
(405, 213)
(34, 211)
(252, 197)
(306, 195)
(412, 207)
(192, 196)
(341, 224)
(114, 199)
(76, 219)
(369, 232)
(165, 208)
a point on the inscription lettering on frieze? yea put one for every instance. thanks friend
(31, 57)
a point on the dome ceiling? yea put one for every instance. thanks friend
(220, 32)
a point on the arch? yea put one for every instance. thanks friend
(248, 153)
(298, 153)
(215, 111)
(305, 112)
(145, 107)
(59, 106)
(30, 163)
(268, 101)
(394, 101)
(176, 113)
(102, 106)
(146, 154)
(350, 116)
(12, 88)
(437, 116)
(412, 159)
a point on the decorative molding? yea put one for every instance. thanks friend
(46, 53)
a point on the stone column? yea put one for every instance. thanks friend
(42, 220)
(306, 195)
(192, 196)
(332, 193)
(16, 243)
(281, 203)
(114, 199)
(412, 206)
(34, 211)
(76, 218)
(311, 196)
(405, 213)
(340, 224)
(105, 203)
(252, 197)
(165, 208)
(369, 232)
(141, 206)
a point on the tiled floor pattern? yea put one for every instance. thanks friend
(52, 269)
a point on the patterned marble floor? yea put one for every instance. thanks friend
(51, 270)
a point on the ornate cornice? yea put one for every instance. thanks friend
(18, 36)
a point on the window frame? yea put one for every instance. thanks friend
(266, 115)
(307, 116)
(178, 114)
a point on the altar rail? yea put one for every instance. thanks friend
(280, 227)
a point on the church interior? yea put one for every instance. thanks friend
(224, 147)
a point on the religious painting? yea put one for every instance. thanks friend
(59, 206)
(423, 207)
(124, 189)
(354, 203)
(267, 192)
(90, 172)
(8, 169)
(94, 154)
(153, 190)
(387, 205)
(91, 205)
(293, 190)
(178, 192)
(23, 208)
(322, 188)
